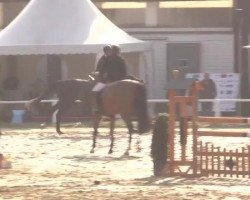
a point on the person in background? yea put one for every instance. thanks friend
(176, 77)
(176, 74)
(209, 91)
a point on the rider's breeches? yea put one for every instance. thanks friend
(98, 87)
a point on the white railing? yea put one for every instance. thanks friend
(216, 106)
(152, 103)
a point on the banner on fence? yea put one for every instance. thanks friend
(227, 84)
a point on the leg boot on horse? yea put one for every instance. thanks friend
(97, 119)
(61, 107)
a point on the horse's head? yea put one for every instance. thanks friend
(32, 106)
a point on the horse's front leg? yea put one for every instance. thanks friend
(138, 144)
(94, 142)
(112, 127)
(59, 109)
(97, 119)
(58, 121)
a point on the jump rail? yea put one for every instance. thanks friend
(230, 120)
(223, 134)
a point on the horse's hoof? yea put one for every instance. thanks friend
(138, 149)
(60, 132)
(134, 131)
(110, 151)
(144, 130)
(92, 151)
(126, 153)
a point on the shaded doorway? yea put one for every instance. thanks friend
(184, 57)
(54, 68)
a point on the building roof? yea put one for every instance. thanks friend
(63, 27)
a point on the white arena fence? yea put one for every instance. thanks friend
(216, 104)
(153, 102)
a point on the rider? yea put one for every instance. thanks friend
(111, 68)
(106, 52)
(114, 67)
(100, 84)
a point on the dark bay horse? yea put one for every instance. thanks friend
(127, 98)
(67, 91)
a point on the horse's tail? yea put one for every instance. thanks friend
(142, 109)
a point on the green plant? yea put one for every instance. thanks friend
(159, 145)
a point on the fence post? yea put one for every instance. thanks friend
(151, 109)
(217, 108)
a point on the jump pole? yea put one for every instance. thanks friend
(223, 133)
(232, 120)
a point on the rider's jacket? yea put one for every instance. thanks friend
(100, 63)
(113, 68)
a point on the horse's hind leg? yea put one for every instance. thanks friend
(112, 127)
(130, 131)
(94, 141)
(53, 109)
(62, 107)
(97, 119)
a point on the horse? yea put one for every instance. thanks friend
(67, 91)
(127, 98)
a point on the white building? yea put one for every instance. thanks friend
(191, 36)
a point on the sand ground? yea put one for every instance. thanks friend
(48, 166)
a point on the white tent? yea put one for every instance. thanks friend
(63, 27)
